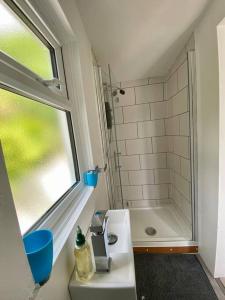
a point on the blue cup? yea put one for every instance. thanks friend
(91, 178)
(39, 249)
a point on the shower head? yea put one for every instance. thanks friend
(121, 91)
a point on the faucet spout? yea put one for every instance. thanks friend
(99, 238)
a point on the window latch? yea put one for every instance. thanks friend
(55, 82)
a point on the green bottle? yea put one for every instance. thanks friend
(83, 258)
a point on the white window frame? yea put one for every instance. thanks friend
(25, 82)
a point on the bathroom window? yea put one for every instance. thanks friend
(38, 154)
(27, 47)
(37, 131)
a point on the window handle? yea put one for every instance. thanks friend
(55, 82)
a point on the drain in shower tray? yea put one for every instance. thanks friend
(150, 231)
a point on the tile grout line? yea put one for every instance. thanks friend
(153, 120)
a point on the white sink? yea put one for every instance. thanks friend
(119, 283)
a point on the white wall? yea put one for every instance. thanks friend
(221, 206)
(139, 38)
(208, 134)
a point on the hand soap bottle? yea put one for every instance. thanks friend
(83, 258)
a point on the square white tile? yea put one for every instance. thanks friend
(131, 162)
(153, 161)
(149, 93)
(126, 131)
(136, 113)
(141, 177)
(132, 192)
(183, 76)
(159, 191)
(160, 144)
(139, 146)
(151, 128)
(158, 110)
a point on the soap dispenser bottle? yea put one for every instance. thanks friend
(83, 258)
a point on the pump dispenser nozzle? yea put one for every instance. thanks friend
(80, 240)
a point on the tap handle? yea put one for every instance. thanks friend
(98, 221)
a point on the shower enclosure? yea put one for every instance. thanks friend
(105, 98)
(150, 152)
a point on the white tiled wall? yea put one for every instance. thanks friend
(178, 132)
(143, 143)
(154, 140)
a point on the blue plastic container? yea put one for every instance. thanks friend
(91, 178)
(39, 249)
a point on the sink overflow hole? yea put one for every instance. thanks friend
(150, 231)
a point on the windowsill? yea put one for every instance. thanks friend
(64, 227)
(63, 219)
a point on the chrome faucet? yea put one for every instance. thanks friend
(99, 237)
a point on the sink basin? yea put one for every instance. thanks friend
(119, 283)
(119, 223)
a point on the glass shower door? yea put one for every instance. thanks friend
(104, 91)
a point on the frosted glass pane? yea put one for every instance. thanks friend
(37, 149)
(19, 42)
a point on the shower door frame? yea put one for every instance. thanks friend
(116, 155)
(193, 140)
(102, 122)
(114, 189)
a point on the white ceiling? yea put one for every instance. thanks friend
(139, 38)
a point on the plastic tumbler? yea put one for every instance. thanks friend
(39, 249)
